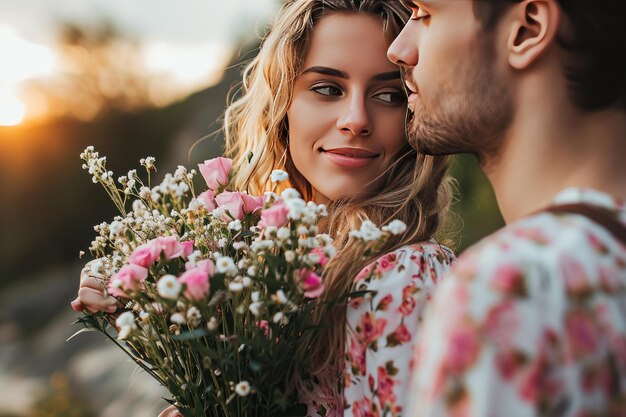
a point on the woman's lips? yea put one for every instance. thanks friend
(350, 157)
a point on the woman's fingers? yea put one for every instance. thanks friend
(95, 300)
(170, 411)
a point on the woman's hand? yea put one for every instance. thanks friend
(170, 411)
(92, 294)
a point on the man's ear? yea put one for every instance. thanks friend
(532, 31)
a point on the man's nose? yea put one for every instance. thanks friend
(403, 50)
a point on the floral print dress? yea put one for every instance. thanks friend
(531, 323)
(382, 327)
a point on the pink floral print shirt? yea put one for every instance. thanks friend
(532, 322)
(381, 330)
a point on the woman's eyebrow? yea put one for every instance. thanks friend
(326, 71)
(387, 76)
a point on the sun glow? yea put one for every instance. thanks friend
(21, 61)
(12, 110)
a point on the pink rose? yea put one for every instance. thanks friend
(275, 216)
(403, 334)
(169, 245)
(265, 326)
(187, 248)
(232, 203)
(144, 255)
(311, 283)
(321, 255)
(207, 199)
(215, 171)
(196, 281)
(130, 276)
(238, 204)
(251, 203)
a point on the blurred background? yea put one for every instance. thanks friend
(134, 79)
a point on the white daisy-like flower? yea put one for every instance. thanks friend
(369, 231)
(235, 225)
(239, 245)
(225, 265)
(126, 319)
(283, 233)
(395, 227)
(255, 308)
(278, 317)
(235, 286)
(169, 287)
(278, 175)
(280, 297)
(243, 388)
(289, 194)
(290, 256)
(178, 318)
(212, 324)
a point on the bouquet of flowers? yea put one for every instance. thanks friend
(217, 287)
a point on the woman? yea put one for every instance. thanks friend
(322, 101)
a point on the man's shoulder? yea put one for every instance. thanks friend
(541, 242)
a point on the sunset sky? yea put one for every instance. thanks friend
(187, 42)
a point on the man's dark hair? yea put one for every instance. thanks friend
(596, 70)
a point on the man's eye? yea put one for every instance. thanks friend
(391, 97)
(419, 13)
(327, 90)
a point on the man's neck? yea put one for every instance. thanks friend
(550, 147)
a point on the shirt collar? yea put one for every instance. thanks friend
(589, 196)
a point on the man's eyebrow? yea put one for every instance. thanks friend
(326, 71)
(387, 76)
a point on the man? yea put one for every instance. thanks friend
(533, 320)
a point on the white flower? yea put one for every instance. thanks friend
(222, 242)
(369, 231)
(126, 324)
(255, 308)
(235, 286)
(126, 319)
(396, 227)
(283, 233)
(290, 256)
(302, 230)
(280, 297)
(116, 227)
(296, 208)
(178, 318)
(255, 296)
(144, 316)
(193, 316)
(277, 317)
(289, 193)
(225, 265)
(243, 388)
(246, 282)
(278, 175)
(217, 213)
(212, 324)
(168, 287)
(239, 245)
(251, 271)
(235, 225)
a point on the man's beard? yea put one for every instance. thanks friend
(466, 116)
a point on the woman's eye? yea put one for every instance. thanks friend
(327, 90)
(391, 97)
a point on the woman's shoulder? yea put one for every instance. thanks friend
(420, 261)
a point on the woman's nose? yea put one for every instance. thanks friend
(355, 120)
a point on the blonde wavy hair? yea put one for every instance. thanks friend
(415, 189)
